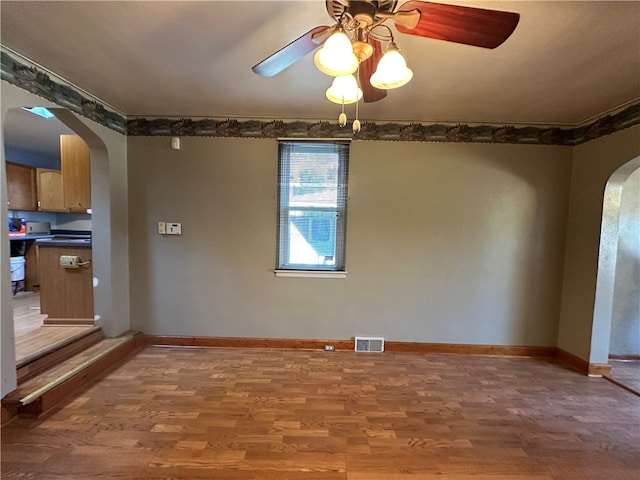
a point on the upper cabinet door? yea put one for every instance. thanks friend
(76, 173)
(50, 190)
(21, 187)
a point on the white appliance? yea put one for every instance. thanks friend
(38, 228)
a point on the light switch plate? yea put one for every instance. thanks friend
(174, 228)
(162, 229)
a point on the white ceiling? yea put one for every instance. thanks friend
(565, 64)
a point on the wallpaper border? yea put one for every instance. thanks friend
(21, 73)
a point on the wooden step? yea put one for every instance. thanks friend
(46, 357)
(68, 321)
(42, 392)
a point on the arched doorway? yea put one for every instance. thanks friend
(21, 131)
(109, 224)
(49, 308)
(610, 297)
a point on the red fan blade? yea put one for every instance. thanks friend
(454, 23)
(366, 69)
(287, 56)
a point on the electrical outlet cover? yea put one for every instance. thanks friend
(69, 261)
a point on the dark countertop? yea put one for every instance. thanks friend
(24, 236)
(57, 238)
(63, 242)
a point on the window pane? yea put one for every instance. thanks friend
(312, 237)
(312, 195)
(313, 179)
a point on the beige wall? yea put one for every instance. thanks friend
(460, 243)
(109, 226)
(593, 164)
(446, 243)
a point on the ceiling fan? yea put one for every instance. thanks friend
(364, 21)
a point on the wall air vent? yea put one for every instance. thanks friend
(369, 344)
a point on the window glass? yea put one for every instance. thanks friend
(312, 193)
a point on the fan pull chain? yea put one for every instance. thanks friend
(356, 122)
(342, 118)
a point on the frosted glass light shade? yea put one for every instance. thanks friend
(392, 71)
(344, 90)
(336, 58)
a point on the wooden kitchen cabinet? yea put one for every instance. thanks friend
(50, 190)
(21, 187)
(31, 270)
(76, 173)
(65, 293)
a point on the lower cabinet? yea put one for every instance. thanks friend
(31, 275)
(65, 292)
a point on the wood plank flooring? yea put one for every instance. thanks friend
(43, 339)
(179, 413)
(32, 337)
(626, 373)
(26, 313)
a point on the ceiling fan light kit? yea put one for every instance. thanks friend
(342, 57)
(392, 71)
(336, 58)
(354, 43)
(362, 50)
(344, 90)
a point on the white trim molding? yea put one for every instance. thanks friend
(310, 274)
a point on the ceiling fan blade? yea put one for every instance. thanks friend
(290, 54)
(365, 70)
(455, 23)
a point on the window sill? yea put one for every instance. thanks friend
(310, 274)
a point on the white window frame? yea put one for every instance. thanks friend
(283, 268)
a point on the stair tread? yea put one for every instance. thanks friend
(52, 346)
(58, 373)
(56, 354)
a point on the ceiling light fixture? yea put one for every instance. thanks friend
(336, 58)
(344, 90)
(359, 32)
(357, 38)
(392, 71)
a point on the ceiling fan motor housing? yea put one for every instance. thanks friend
(362, 12)
(361, 16)
(363, 8)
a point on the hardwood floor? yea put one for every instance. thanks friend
(193, 413)
(33, 338)
(626, 373)
(26, 313)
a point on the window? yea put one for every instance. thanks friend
(312, 205)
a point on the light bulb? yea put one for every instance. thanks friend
(344, 90)
(392, 71)
(336, 57)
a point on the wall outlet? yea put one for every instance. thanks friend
(69, 261)
(174, 228)
(329, 348)
(162, 228)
